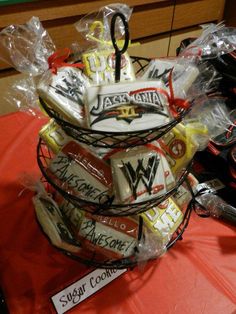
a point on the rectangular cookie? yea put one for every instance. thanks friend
(100, 66)
(113, 237)
(138, 175)
(183, 75)
(125, 107)
(50, 219)
(80, 171)
(65, 92)
(53, 135)
(164, 219)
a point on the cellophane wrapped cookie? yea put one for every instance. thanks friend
(179, 148)
(114, 237)
(62, 232)
(215, 40)
(61, 84)
(54, 136)
(64, 92)
(76, 170)
(164, 219)
(184, 73)
(183, 195)
(125, 107)
(99, 59)
(51, 220)
(140, 174)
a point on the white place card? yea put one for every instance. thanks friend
(77, 292)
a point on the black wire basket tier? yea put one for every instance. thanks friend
(108, 207)
(114, 139)
(132, 261)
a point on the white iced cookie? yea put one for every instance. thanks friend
(65, 92)
(138, 175)
(124, 107)
(114, 237)
(80, 172)
(182, 78)
(50, 219)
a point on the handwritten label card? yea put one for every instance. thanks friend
(72, 295)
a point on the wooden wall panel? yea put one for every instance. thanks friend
(156, 47)
(142, 24)
(178, 36)
(150, 19)
(190, 13)
(52, 10)
(154, 20)
(230, 13)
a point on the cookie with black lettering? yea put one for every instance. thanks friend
(100, 66)
(111, 237)
(127, 107)
(115, 237)
(78, 171)
(164, 219)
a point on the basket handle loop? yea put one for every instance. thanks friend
(118, 51)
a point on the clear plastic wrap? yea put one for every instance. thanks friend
(149, 247)
(112, 177)
(49, 215)
(96, 27)
(100, 59)
(27, 47)
(211, 112)
(163, 220)
(118, 237)
(139, 174)
(217, 207)
(76, 170)
(207, 81)
(65, 92)
(101, 239)
(51, 220)
(54, 137)
(183, 195)
(215, 40)
(184, 73)
(190, 77)
(128, 107)
(228, 136)
(30, 50)
(22, 96)
(113, 237)
(196, 132)
(179, 146)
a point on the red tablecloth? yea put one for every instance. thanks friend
(198, 275)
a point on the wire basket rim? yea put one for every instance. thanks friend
(164, 126)
(127, 262)
(107, 204)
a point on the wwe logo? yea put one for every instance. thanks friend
(141, 174)
(72, 88)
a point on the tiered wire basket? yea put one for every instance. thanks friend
(113, 140)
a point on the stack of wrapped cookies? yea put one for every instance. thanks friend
(116, 151)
